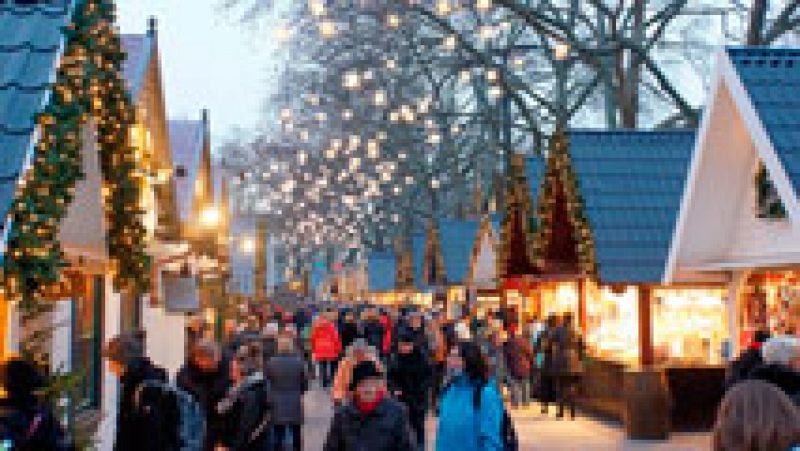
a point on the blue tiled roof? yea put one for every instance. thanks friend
(138, 50)
(771, 77)
(186, 143)
(631, 183)
(457, 238)
(381, 271)
(418, 258)
(30, 41)
(534, 172)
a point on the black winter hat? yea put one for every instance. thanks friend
(364, 370)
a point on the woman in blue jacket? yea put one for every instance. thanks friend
(471, 408)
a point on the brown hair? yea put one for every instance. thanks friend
(756, 416)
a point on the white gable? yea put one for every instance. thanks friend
(484, 270)
(82, 231)
(718, 228)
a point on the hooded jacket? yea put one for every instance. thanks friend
(130, 432)
(463, 426)
(245, 409)
(208, 388)
(410, 374)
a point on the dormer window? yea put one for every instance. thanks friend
(180, 171)
(768, 202)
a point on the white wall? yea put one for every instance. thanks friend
(110, 385)
(166, 337)
(61, 342)
(485, 272)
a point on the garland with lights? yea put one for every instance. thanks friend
(563, 240)
(89, 90)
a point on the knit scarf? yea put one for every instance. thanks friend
(368, 407)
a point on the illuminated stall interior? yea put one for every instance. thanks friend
(770, 301)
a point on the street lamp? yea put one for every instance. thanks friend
(209, 216)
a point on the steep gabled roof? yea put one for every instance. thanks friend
(771, 77)
(381, 271)
(457, 238)
(30, 42)
(186, 139)
(138, 50)
(631, 183)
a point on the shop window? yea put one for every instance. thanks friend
(690, 325)
(612, 323)
(87, 314)
(768, 202)
(771, 302)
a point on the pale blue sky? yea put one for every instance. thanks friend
(207, 59)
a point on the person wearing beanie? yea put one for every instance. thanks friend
(374, 420)
(410, 378)
(355, 353)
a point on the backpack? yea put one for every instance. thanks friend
(507, 432)
(173, 417)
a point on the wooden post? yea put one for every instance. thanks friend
(645, 326)
(582, 320)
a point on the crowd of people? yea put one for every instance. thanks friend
(386, 370)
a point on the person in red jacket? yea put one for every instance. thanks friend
(325, 347)
(386, 322)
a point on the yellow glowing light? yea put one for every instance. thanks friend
(483, 5)
(210, 216)
(561, 51)
(393, 20)
(247, 245)
(450, 42)
(327, 28)
(317, 7)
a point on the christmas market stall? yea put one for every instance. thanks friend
(381, 278)
(607, 213)
(73, 236)
(740, 216)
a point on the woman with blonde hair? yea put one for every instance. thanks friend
(756, 416)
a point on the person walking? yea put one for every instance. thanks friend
(126, 360)
(374, 421)
(519, 361)
(567, 365)
(409, 377)
(288, 380)
(27, 423)
(245, 409)
(358, 352)
(543, 355)
(471, 408)
(206, 377)
(373, 330)
(325, 347)
(438, 347)
(348, 329)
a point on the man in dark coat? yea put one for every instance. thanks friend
(288, 380)
(348, 330)
(749, 359)
(373, 421)
(409, 379)
(125, 354)
(373, 331)
(567, 364)
(206, 377)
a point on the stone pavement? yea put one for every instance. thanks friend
(536, 432)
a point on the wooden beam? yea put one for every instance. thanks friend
(646, 356)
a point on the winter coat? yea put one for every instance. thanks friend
(349, 332)
(519, 357)
(463, 426)
(384, 429)
(386, 323)
(344, 374)
(288, 380)
(740, 368)
(325, 343)
(497, 361)
(786, 378)
(31, 426)
(269, 347)
(130, 431)
(411, 374)
(246, 413)
(208, 389)
(567, 351)
(373, 333)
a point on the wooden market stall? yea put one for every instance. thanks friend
(607, 210)
(740, 215)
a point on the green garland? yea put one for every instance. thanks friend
(559, 171)
(89, 85)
